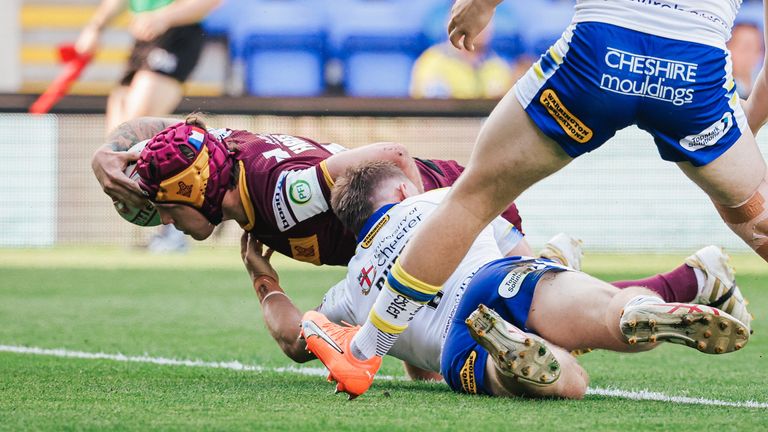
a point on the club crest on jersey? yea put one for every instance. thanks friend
(368, 239)
(305, 249)
(366, 277)
(196, 138)
(299, 192)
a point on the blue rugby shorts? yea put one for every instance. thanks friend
(600, 78)
(506, 285)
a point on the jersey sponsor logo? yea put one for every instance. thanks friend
(282, 216)
(575, 128)
(305, 249)
(467, 374)
(513, 281)
(299, 192)
(669, 5)
(709, 136)
(511, 284)
(366, 278)
(652, 77)
(389, 247)
(305, 198)
(368, 239)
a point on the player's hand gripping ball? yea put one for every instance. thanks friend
(146, 215)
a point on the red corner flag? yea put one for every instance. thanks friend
(74, 64)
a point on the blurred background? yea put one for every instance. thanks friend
(346, 71)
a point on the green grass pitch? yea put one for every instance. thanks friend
(201, 306)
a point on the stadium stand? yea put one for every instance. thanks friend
(550, 18)
(377, 42)
(507, 40)
(283, 45)
(289, 47)
(47, 23)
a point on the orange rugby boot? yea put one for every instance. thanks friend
(329, 342)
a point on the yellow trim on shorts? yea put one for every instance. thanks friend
(555, 56)
(384, 326)
(538, 71)
(411, 282)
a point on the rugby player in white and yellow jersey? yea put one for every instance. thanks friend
(511, 347)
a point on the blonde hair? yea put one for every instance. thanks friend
(352, 194)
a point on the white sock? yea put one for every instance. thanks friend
(701, 279)
(644, 299)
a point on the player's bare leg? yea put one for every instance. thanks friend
(510, 155)
(523, 364)
(502, 166)
(575, 310)
(572, 384)
(736, 183)
(116, 107)
(152, 94)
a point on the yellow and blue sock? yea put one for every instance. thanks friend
(396, 305)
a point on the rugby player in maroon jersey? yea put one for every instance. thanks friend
(277, 187)
(283, 183)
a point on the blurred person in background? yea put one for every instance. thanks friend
(168, 42)
(444, 72)
(747, 52)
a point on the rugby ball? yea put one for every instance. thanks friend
(146, 215)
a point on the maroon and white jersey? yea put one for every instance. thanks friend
(286, 188)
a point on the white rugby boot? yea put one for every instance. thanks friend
(564, 249)
(704, 328)
(515, 353)
(719, 288)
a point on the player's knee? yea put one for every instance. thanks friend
(749, 220)
(574, 380)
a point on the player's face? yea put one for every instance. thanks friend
(186, 219)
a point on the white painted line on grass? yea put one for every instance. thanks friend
(661, 397)
(644, 395)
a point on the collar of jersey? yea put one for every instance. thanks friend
(372, 220)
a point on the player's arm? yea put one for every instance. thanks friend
(756, 105)
(468, 19)
(282, 317)
(88, 40)
(396, 153)
(149, 25)
(109, 160)
(509, 239)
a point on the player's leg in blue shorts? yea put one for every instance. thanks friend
(600, 78)
(505, 285)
